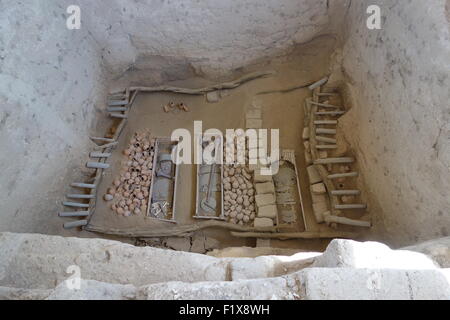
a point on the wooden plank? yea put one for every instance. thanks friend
(325, 139)
(325, 131)
(74, 214)
(115, 109)
(345, 192)
(325, 122)
(74, 224)
(295, 235)
(334, 160)
(117, 103)
(99, 154)
(80, 196)
(97, 165)
(343, 175)
(326, 146)
(350, 206)
(329, 113)
(325, 105)
(83, 185)
(118, 115)
(75, 204)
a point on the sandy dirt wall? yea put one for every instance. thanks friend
(400, 79)
(202, 37)
(51, 87)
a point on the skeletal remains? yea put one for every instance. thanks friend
(131, 189)
(171, 105)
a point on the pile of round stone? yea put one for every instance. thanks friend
(239, 195)
(130, 191)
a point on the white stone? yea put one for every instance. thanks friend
(98, 259)
(305, 134)
(263, 222)
(265, 187)
(264, 199)
(437, 249)
(262, 177)
(269, 211)
(313, 175)
(319, 209)
(318, 188)
(353, 254)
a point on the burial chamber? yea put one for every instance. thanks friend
(358, 98)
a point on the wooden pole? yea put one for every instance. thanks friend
(175, 231)
(296, 235)
(74, 224)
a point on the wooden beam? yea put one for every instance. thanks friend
(99, 154)
(326, 146)
(295, 235)
(97, 165)
(118, 115)
(345, 192)
(75, 204)
(83, 185)
(350, 206)
(176, 230)
(325, 105)
(325, 122)
(74, 214)
(343, 175)
(329, 113)
(325, 131)
(326, 139)
(80, 196)
(74, 224)
(334, 160)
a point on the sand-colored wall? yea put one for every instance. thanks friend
(208, 38)
(399, 78)
(51, 88)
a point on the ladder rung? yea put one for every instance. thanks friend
(327, 94)
(325, 105)
(325, 139)
(325, 131)
(118, 115)
(345, 192)
(102, 139)
(74, 224)
(325, 122)
(99, 155)
(112, 109)
(75, 204)
(80, 196)
(97, 165)
(74, 214)
(334, 160)
(117, 102)
(83, 185)
(329, 113)
(342, 175)
(326, 146)
(350, 206)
